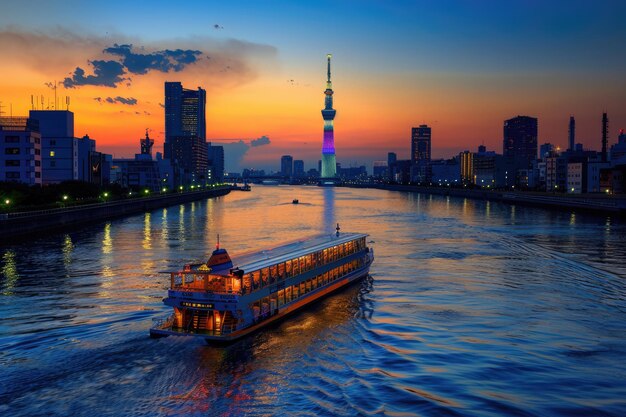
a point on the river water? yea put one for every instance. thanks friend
(472, 309)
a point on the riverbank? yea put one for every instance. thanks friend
(599, 203)
(23, 224)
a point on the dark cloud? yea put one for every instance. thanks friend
(105, 73)
(263, 140)
(165, 61)
(129, 101)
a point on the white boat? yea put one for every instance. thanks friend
(222, 300)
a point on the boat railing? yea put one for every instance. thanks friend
(163, 322)
(204, 281)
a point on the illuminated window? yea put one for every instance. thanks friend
(52, 153)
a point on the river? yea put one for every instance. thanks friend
(473, 308)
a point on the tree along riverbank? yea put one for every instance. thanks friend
(30, 223)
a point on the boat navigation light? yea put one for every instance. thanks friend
(337, 229)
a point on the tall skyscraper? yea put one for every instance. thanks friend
(185, 113)
(286, 166)
(572, 134)
(420, 153)
(605, 136)
(185, 133)
(520, 140)
(329, 166)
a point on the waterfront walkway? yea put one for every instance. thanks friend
(589, 202)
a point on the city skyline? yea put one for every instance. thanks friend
(449, 71)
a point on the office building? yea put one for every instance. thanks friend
(216, 163)
(298, 168)
(286, 166)
(466, 161)
(20, 150)
(420, 153)
(185, 134)
(618, 151)
(379, 169)
(520, 140)
(59, 147)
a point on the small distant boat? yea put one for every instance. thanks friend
(295, 201)
(269, 182)
(222, 300)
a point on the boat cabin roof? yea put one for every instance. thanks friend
(287, 251)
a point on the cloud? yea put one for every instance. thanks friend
(234, 152)
(165, 61)
(105, 73)
(129, 101)
(263, 140)
(79, 59)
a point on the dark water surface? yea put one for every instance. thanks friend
(472, 309)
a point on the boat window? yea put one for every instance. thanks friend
(325, 277)
(296, 291)
(302, 289)
(265, 272)
(288, 294)
(325, 257)
(302, 264)
(296, 266)
(335, 253)
(281, 271)
(281, 297)
(273, 273)
(288, 270)
(256, 279)
(309, 262)
(308, 285)
(247, 283)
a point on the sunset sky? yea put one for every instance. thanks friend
(460, 66)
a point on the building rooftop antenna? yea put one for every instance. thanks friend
(1, 111)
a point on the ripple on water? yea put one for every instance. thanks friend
(473, 309)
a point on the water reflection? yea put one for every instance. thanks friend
(9, 272)
(164, 226)
(107, 242)
(328, 214)
(68, 249)
(147, 232)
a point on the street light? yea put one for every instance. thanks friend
(64, 198)
(164, 189)
(7, 201)
(146, 191)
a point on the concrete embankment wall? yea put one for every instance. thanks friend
(19, 225)
(589, 202)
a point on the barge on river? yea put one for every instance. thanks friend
(222, 301)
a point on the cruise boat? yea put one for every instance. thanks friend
(222, 300)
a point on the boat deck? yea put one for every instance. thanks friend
(256, 260)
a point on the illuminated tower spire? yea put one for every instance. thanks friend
(329, 165)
